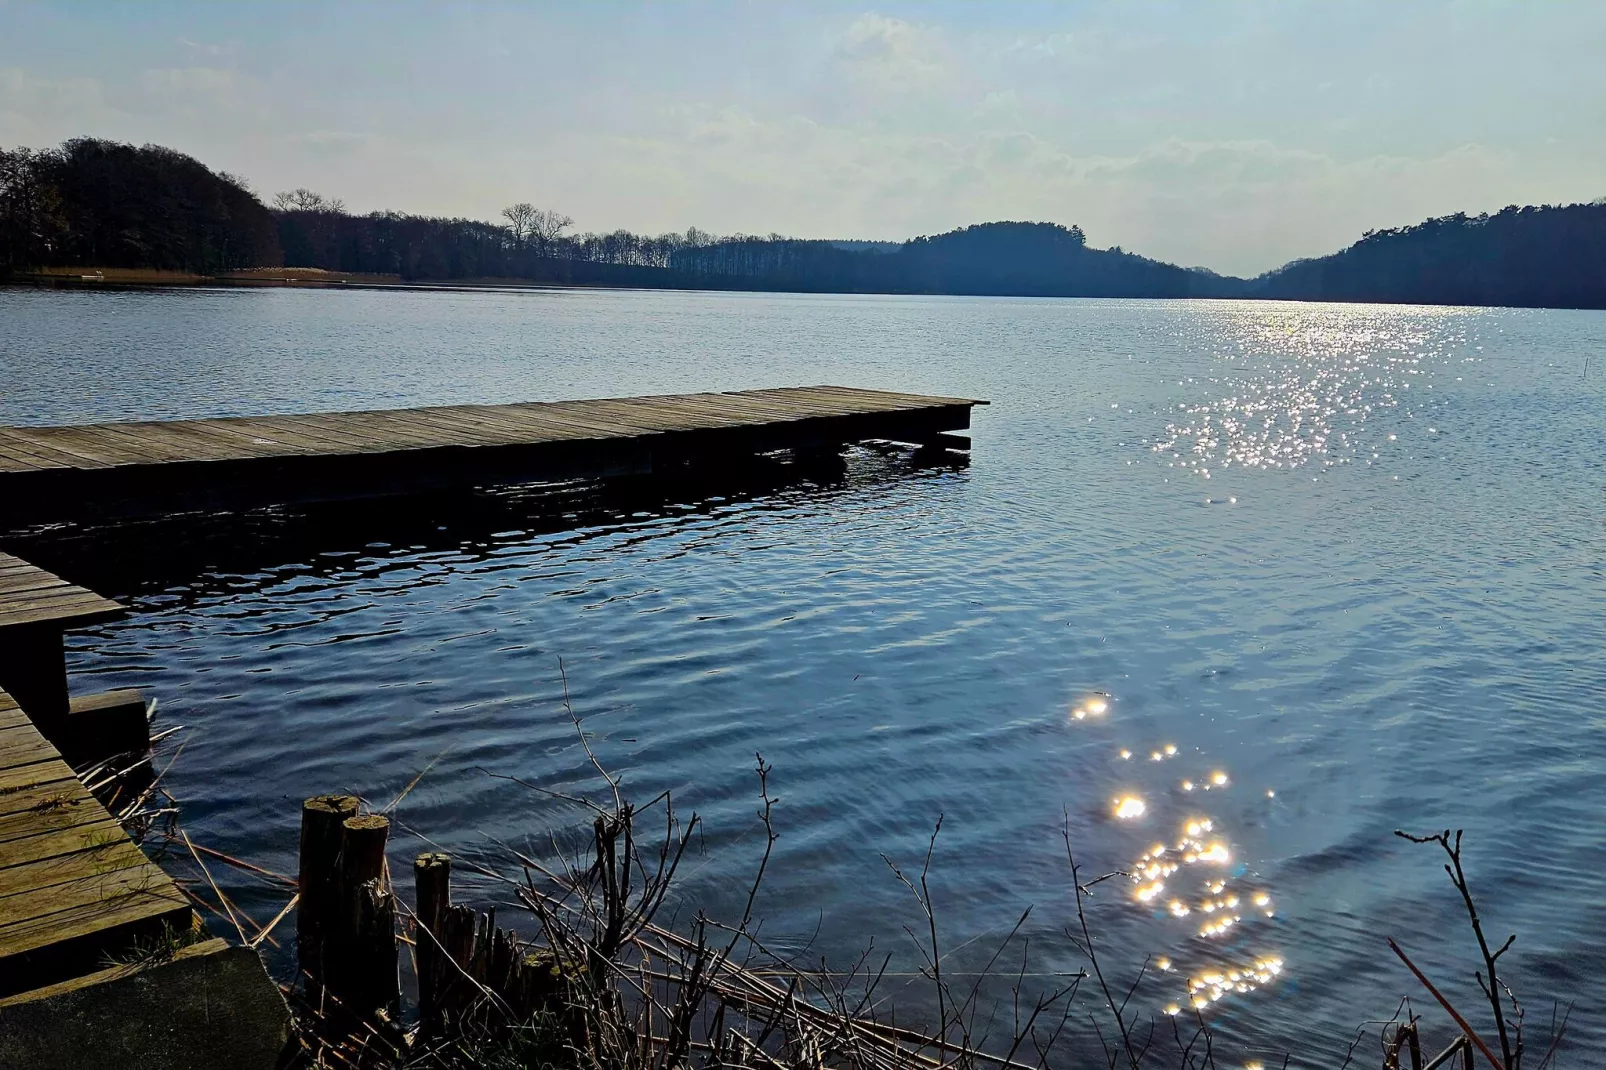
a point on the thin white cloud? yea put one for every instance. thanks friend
(890, 52)
(1236, 136)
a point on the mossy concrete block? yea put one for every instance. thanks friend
(211, 1010)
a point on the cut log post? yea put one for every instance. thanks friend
(321, 838)
(457, 993)
(362, 850)
(538, 984)
(371, 983)
(432, 881)
(348, 973)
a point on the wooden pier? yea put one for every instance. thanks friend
(49, 473)
(102, 955)
(78, 898)
(74, 889)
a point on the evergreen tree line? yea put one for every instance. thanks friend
(103, 204)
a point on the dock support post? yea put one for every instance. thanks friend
(321, 836)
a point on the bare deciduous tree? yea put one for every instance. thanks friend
(540, 227)
(520, 220)
(302, 199)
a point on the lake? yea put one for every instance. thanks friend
(1254, 582)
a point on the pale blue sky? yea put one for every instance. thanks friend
(1231, 135)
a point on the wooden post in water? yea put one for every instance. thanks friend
(372, 984)
(363, 976)
(362, 850)
(457, 993)
(432, 879)
(321, 838)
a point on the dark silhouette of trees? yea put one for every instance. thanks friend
(539, 227)
(100, 203)
(1041, 259)
(31, 213)
(303, 199)
(1024, 259)
(107, 204)
(1545, 257)
(520, 220)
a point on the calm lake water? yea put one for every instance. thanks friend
(1337, 569)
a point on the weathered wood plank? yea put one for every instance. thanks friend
(71, 442)
(114, 444)
(24, 745)
(31, 882)
(11, 715)
(23, 582)
(61, 841)
(25, 439)
(30, 595)
(77, 609)
(91, 905)
(19, 458)
(73, 886)
(237, 462)
(36, 784)
(69, 810)
(41, 792)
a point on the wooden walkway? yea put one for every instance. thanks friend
(50, 472)
(74, 888)
(30, 595)
(35, 608)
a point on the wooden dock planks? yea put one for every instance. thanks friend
(28, 449)
(73, 887)
(100, 470)
(30, 595)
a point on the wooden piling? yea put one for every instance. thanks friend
(362, 851)
(456, 992)
(369, 978)
(322, 836)
(469, 970)
(361, 975)
(432, 881)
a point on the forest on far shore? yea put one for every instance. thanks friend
(103, 204)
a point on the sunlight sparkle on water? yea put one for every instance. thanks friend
(1276, 405)
(1223, 911)
(1129, 806)
(1096, 706)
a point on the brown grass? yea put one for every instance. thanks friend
(126, 276)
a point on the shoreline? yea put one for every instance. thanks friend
(316, 279)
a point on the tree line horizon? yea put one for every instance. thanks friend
(98, 203)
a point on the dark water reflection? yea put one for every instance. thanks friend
(1233, 589)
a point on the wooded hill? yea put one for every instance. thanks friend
(98, 203)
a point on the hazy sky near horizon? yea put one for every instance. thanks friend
(1235, 135)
